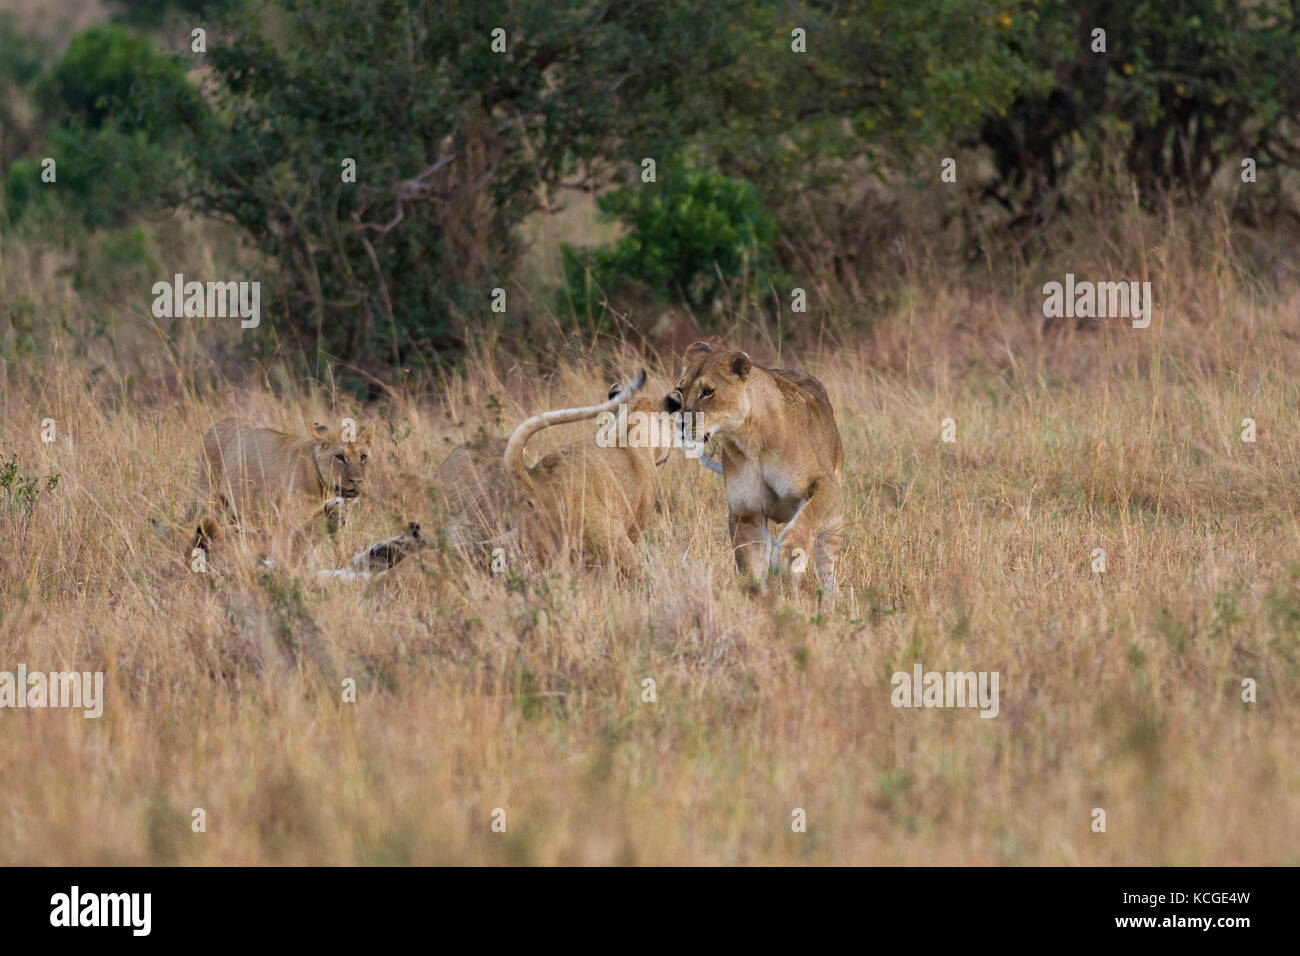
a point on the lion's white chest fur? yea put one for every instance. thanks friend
(761, 486)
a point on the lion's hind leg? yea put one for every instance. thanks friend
(826, 549)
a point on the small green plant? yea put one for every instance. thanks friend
(20, 489)
(697, 237)
(20, 496)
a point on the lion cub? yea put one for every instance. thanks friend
(258, 473)
(782, 459)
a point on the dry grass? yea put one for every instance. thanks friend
(1119, 691)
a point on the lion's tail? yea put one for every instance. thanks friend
(514, 456)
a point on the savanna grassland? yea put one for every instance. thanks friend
(1120, 690)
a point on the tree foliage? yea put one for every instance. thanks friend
(453, 142)
(458, 132)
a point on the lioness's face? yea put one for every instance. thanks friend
(713, 393)
(342, 463)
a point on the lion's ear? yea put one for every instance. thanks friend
(740, 365)
(367, 434)
(697, 349)
(320, 431)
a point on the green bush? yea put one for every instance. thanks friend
(22, 184)
(124, 109)
(110, 73)
(112, 175)
(695, 237)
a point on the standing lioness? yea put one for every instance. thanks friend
(247, 471)
(782, 459)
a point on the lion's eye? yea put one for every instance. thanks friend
(342, 458)
(706, 392)
(363, 457)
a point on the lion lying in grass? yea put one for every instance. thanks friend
(250, 474)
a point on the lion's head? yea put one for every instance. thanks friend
(342, 464)
(712, 396)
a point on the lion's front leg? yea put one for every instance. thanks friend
(752, 543)
(331, 516)
(335, 513)
(811, 541)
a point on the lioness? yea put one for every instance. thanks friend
(587, 498)
(782, 459)
(246, 471)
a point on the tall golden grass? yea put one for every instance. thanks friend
(1119, 690)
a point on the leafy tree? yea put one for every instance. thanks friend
(453, 144)
(877, 80)
(1185, 88)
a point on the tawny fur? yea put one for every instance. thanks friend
(249, 474)
(583, 500)
(781, 454)
(478, 500)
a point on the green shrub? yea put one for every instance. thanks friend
(22, 184)
(111, 175)
(109, 73)
(124, 109)
(694, 237)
